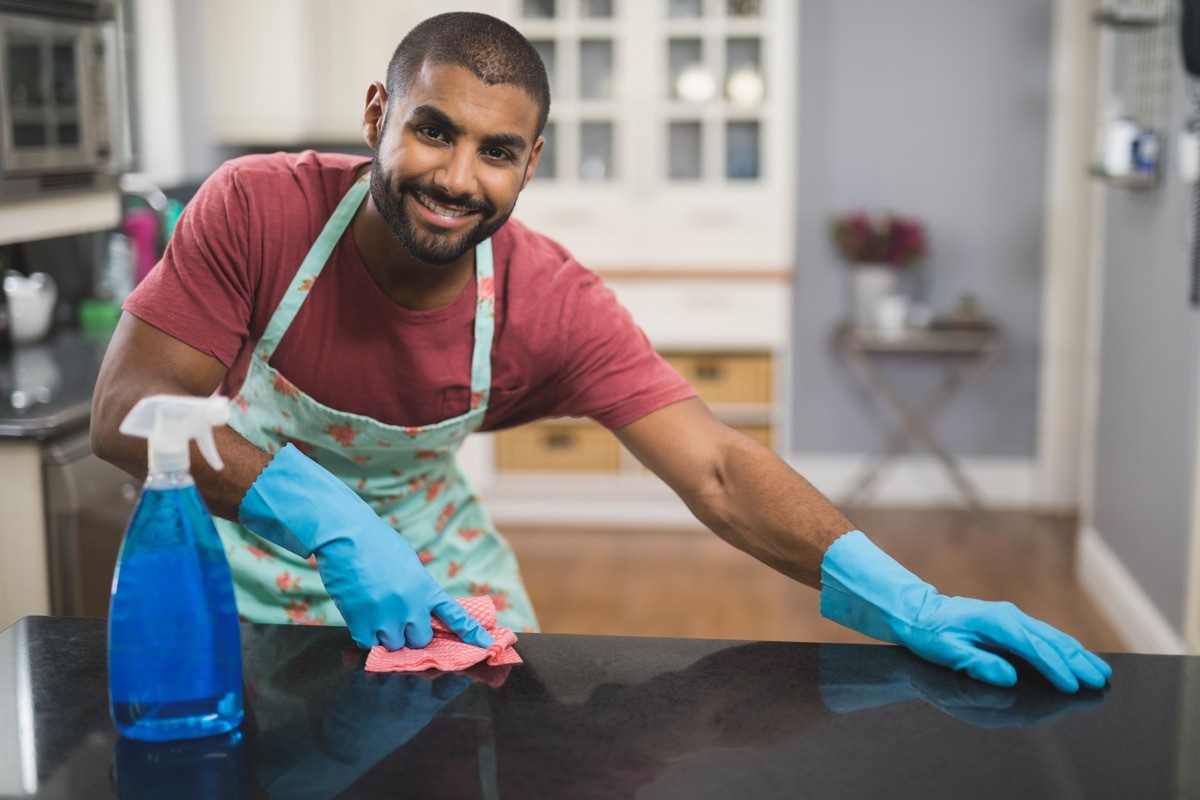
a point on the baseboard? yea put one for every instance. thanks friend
(639, 500)
(923, 481)
(1121, 600)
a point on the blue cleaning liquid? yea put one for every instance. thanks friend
(174, 644)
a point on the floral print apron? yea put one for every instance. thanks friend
(408, 475)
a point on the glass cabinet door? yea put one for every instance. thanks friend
(667, 139)
(715, 90)
(578, 42)
(705, 91)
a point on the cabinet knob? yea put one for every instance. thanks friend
(558, 440)
(708, 370)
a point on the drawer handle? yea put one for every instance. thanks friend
(558, 440)
(708, 371)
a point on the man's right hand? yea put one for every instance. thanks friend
(375, 579)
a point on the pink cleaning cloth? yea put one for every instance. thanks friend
(447, 652)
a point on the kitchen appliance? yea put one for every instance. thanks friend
(62, 102)
(88, 503)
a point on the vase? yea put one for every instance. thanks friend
(869, 284)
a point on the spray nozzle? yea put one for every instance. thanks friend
(170, 422)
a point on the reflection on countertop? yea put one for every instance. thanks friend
(608, 717)
(46, 388)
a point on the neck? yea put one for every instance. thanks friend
(410, 283)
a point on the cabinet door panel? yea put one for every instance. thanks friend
(286, 72)
(726, 377)
(251, 47)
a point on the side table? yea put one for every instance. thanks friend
(967, 351)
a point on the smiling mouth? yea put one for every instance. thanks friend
(442, 210)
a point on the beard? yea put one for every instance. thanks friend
(431, 248)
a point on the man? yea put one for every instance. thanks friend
(367, 316)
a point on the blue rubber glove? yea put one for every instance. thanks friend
(375, 579)
(850, 683)
(864, 589)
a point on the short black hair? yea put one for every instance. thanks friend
(494, 51)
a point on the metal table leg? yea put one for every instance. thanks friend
(916, 424)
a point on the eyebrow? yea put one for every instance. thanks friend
(435, 116)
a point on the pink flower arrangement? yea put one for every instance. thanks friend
(883, 239)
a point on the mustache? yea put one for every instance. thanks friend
(444, 199)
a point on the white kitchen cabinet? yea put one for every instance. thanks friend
(64, 215)
(24, 569)
(670, 138)
(286, 72)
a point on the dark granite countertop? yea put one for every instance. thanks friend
(46, 388)
(604, 717)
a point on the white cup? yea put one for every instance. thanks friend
(891, 315)
(30, 305)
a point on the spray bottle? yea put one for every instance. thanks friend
(174, 644)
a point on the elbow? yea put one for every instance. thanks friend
(103, 428)
(710, 496)
(110, 405)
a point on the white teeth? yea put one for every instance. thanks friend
(445, 212)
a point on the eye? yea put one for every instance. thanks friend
(497, 154)
(431, 132)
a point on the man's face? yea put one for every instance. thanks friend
(452, 156)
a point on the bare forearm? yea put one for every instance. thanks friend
(142, 361)
(741, 490)
(222, 490)
(759, 504)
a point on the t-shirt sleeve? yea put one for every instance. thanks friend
(201, 292)
(610, 370)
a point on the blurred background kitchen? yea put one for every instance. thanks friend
(938, 255)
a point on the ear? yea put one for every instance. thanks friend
(376, 109)
(534, 157)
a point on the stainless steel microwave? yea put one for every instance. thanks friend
(61, 97)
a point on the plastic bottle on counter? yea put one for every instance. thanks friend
(1145, 152)
(120, 268)
(174, 644)
(1118, 146)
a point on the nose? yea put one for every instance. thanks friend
(456, 177)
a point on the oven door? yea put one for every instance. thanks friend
(54, 85)
(88, 503)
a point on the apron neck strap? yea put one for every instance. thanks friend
(311, 267)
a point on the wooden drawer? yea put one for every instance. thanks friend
(558, 446)
(726, 377)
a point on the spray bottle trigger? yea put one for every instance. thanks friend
(208, 449)
(218, 414)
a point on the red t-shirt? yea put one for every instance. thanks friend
(563, 344)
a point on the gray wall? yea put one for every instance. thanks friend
(936, 108)
(1149, 346)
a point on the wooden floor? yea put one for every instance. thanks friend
(689, 583)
